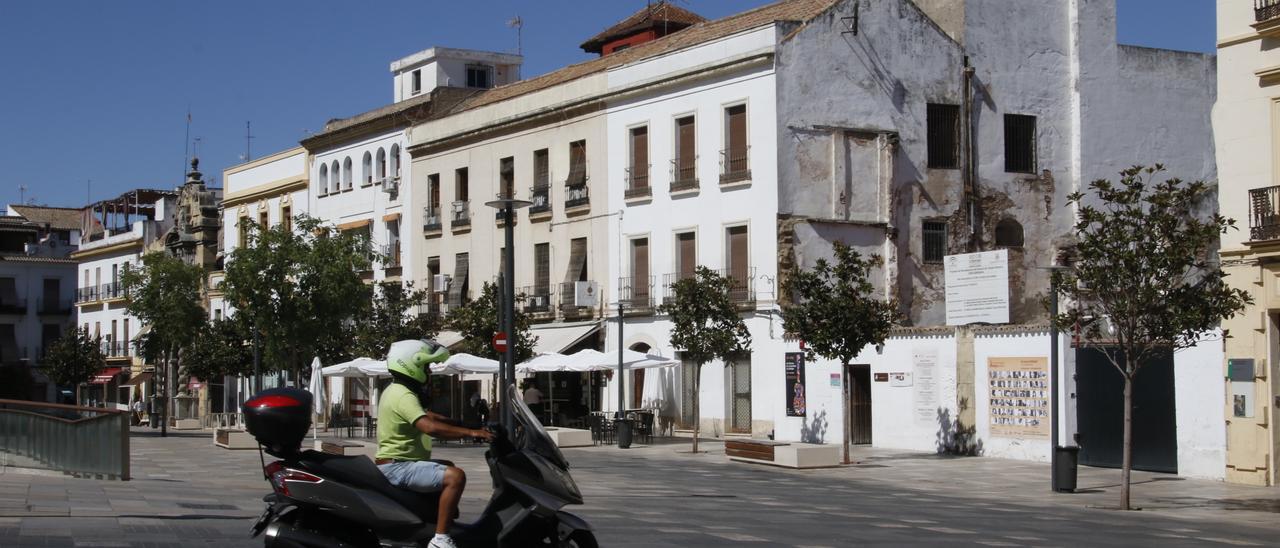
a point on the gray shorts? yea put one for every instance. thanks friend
(421, 476)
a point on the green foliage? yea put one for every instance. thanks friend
(74, 358)
(833, 310)
(301, 290)
(164, 292)
(219, 348)
(1147, 262)
(477, 321)
(392, 317)
(705, 323)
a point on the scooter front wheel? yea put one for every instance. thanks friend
(580, 539)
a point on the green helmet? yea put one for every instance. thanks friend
(412, 358)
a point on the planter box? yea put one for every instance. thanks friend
(187, 424)
(570, 437)
(233, 438)
(784, 454)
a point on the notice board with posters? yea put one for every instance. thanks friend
(1019, 396)
(794, 370)
(977, 287)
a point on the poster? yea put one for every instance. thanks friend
(900, 379)
(1019, 395)
(924, 385)
(977, 287)
(794, 368)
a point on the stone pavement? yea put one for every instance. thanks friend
(186, 492)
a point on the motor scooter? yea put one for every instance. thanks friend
(324, 500)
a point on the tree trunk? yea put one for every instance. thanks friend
(168, 395)
(1126, 462)
(697, 413)
(847, 420)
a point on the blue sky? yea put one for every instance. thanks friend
(99, 91)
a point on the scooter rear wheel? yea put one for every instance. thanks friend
(580, 539)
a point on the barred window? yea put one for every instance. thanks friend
(934, 241)
(1019, 143)
(943, 136)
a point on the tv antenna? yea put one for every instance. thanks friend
(518, 24)
(248, 138)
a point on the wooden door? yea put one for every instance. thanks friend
(860, 404)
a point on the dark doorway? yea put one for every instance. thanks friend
(1100, 411)
(860, 404)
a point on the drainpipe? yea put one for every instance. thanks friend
(969, 199)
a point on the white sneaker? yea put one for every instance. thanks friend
(442, 542)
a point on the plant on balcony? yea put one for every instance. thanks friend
(705, 326)
(833, 309)
(73, 359)
(477, 321)
(390, 318)
(1145, 279)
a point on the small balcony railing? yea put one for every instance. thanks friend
(461, 214)
(87, 294)
(684, 174)
(576, 196)
(54, 307)
(636, 292)
(391, 255)
(1264, 213)
(116, 349)
(638, 182)
(431, 308)
(537, 299)
(13, 305)
(734, 165)
(569, 307)
(742, 288)
(540, 195)
(669, 280)
(113, 290)
(431, 219)
(452, 301)
(1265, 9)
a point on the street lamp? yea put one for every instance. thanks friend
(507, 206)
(1053, 377)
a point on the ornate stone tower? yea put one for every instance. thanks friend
(197, 223)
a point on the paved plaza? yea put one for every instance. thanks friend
(187, 492)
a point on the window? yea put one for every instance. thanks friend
(739, 269)
(459, 287)
(577, 264)
(944, 136)
(479, 76)
(639, 288)
(460, 184)
(433, 193)
(126, 341)
(735, 142)
(395, 161)
(242, 229)
(577, 164)
(286, 218)
(346, 173)
(335, 174)
(507, 177)
(366, 169)
(541, 168)
(934, 241)
(263, 222)
(1019, 143)
(1008, 233)
(686, 254)
(542, 269)
(638, 173)
(381, 165)
(417, 81)
(324, 179)
(686, 151)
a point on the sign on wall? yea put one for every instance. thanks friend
(925, 390)
(1018, 391)
(977, 287)
(793, 365)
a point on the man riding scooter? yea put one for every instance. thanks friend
(405, 429)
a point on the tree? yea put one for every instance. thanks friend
(705, 326)
(300, 290)
(833, 310)
(477, 321)
(73, 359)
(1146, 280)
(392, 317)
(164, 293)
(218, 349)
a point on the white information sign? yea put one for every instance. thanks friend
(977, 287)
(925, 391)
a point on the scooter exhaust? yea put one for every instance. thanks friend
(284, 535)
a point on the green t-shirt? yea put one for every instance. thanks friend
(398, 438)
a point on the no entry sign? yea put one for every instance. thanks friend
(500, 341)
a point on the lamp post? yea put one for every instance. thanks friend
(1054, 388)
(506, 204)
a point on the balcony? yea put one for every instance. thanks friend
(742, 289)
(576, 198)
(432, 308)
(113, 290)
(391, 255)
(734, 166)
(431, 225)
(116, 349)
(684, 175)
(1264, 214)
(570, 308)
(87, 294)
(460, 219)
(537, 301)
(540, 195)
(13, 305)
(669, 280)
(638, 183)
(636, 294)
(1265, 10)
(53, 307)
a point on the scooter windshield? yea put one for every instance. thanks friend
(534, 435)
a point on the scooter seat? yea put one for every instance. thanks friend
(359, 471)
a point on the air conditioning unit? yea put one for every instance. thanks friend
(391, 186)
(586, 294)
(440, 283)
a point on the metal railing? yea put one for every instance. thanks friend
(113, 290)
(431, 308)
(431, 219)
(391, 255)
(1265, 9)
(638, 182)
(635, 292)
(87, 294)
(541, 198)
(54, 307)
(13, 305)
(684, 175)
(117, 349)
(734, 165)
(576, 195)
(669, 280)
(577, 175)
(1264, 213)
(742, 288)
(568, 305)
(78, 440)
(537, 300)
(461, 214)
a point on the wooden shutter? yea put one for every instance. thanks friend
(640, 157)
(688, 255)
(640, 268)
(459, 282)
(433, 187)
(738, 253)
(542, 269)
(685, 150)
(507, 174)
(577, 260)
(737, 132)
(541, 169)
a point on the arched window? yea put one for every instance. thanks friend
(366, 169)
(395, 161)
(324, 179)
(334, 174)
(346, 173)
(1008, 233)
(382, 164)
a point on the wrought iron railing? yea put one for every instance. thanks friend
(684, 174)
(742, 288)
(669, 280)
(638, 182)
(576, 195)
(636, 292)
(431, 218)
(734, 165)
(391, 255)
(65, 438)
(87, 294)
(537, 299)
(1264, 213)
(461, 214)
(54, 307)
(569, 307)
(13, 305)
(1265, 9)
(540, 195)
(113, 290)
